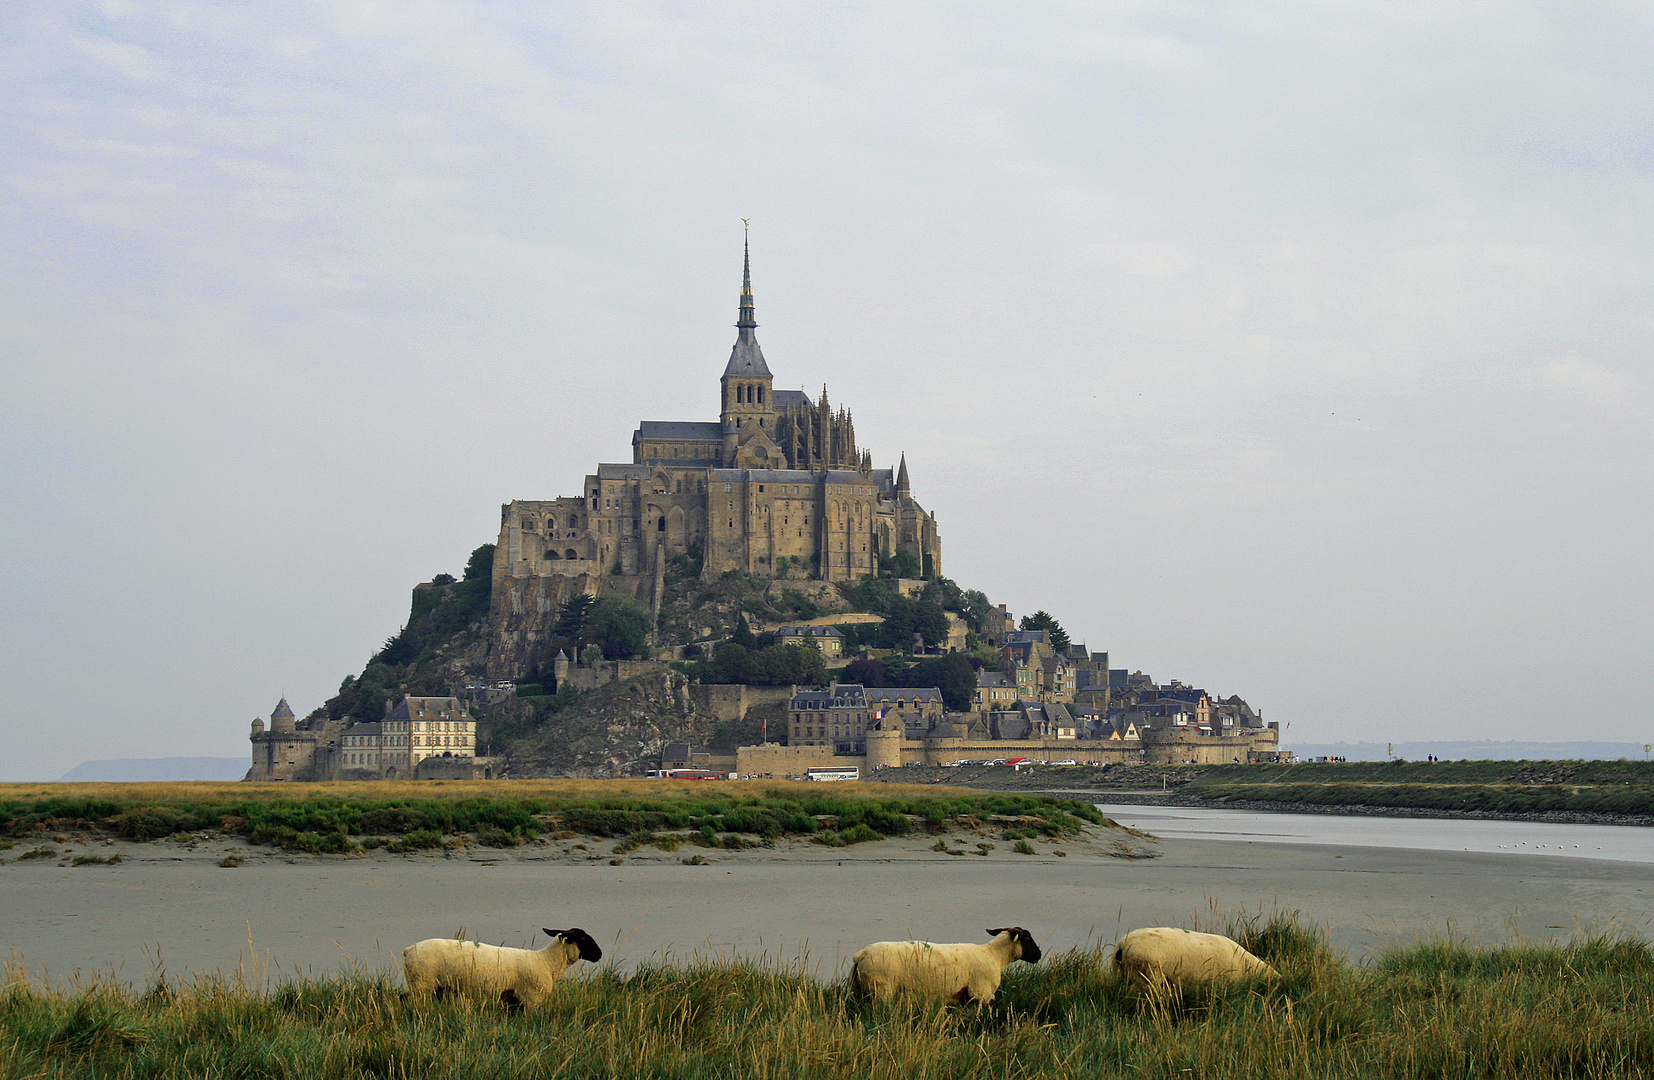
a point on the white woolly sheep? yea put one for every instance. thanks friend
(1162, 957)
(962, 971)
(492, 972)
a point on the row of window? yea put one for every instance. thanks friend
(703, 452)
(419, 741)
(798, 489)
(530, 524)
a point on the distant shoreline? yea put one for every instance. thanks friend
(1156, 798)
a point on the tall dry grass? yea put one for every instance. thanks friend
(1439, 1009)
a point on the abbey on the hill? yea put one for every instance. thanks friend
(776, 487)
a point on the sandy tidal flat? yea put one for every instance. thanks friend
(170, 907)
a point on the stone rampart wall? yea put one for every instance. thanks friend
(775, 762)
(605, 672)
(1183, 746)
(729, 702)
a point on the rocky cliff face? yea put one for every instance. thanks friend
(482, 632)
(615, 730)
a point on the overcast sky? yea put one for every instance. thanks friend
(1299, 351)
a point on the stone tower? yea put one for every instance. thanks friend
(282, 718)
(283, 752)
(748, 388)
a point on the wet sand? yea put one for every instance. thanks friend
(170, 907)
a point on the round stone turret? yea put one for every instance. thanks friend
(884, 749)
(282, 718)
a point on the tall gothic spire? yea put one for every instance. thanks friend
(746, 359)
(903, 487)
(746, 321)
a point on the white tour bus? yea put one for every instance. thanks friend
(832, 772)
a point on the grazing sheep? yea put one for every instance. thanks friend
(492, 972)
(1166, 956)
(963, 971)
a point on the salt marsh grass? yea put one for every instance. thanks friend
(352, 818)
(215, 791)
(1430, 1010)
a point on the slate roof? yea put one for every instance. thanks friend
(678, 429)
(766, 476)
(904, 693)
(621, 472)
(747, 359)
(1010, 725)
(856, 696)
(783, 399)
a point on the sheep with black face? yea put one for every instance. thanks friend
(962, 971)
(484, 972)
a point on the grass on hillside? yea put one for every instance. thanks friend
(345, 818)
(1427, 1011)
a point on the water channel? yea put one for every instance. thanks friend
(1618, 843)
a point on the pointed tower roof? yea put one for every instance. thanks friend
(746, 359)
(902, 487)
(281, 709)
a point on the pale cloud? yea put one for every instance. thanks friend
(1308, 334)
(1579, 377)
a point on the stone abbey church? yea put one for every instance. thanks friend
(775, 487)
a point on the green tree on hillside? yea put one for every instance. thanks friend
(480, 564)
(867, 672)
(952, 674)
(784, 665)
(930, 622)
(900, 564)
(1040, 620)
(619, 626)
(571, 617)
(973, 605)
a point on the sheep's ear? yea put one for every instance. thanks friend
(552, 934)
